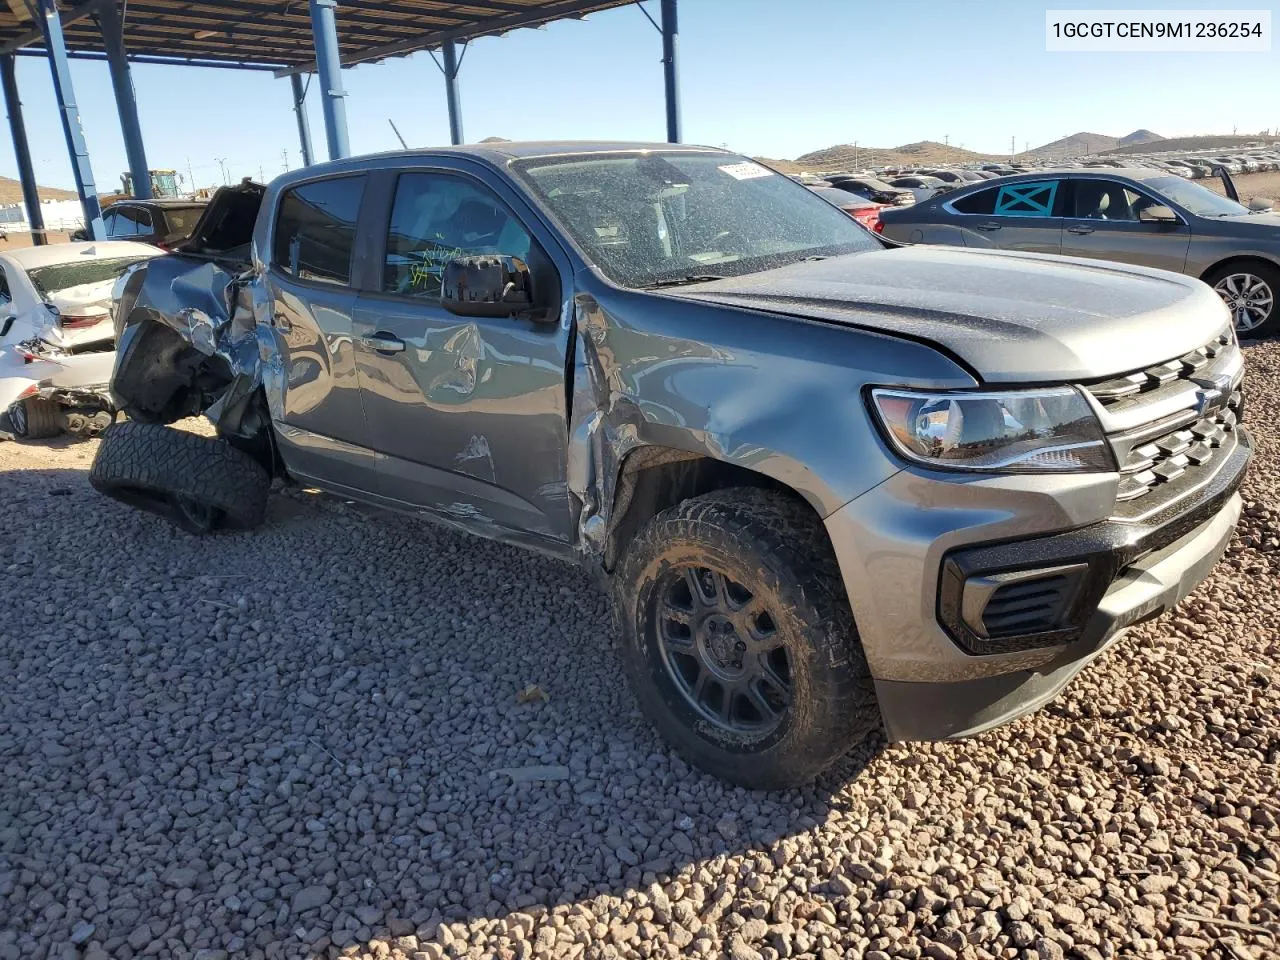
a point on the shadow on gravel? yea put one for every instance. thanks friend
(312, 737)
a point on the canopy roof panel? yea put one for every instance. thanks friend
(276, 34)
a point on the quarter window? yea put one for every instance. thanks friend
(982, 202)
(316, 229)
(436, 218)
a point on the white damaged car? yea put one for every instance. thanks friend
(57, 340)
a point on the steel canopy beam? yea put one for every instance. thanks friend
(304, 125)
(324, 33)
(154, 59)
(450, 70)
(22, 152)
(126, 102)
(670, 42)
(71, 126)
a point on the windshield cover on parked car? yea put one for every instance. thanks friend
(1201, 201)
(56, 277)
(651, 218)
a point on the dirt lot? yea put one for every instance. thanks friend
(1249, 185)
(19, 239)
(308, 742)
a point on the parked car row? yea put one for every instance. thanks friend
(835, 484)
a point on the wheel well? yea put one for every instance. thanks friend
(655, 478)
(1238, 261)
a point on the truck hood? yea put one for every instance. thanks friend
(1011, 317)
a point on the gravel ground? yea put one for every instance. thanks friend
(319, 740)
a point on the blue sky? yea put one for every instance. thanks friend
(775, 78)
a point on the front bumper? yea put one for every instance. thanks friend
(897, 542)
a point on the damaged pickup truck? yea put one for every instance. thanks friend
(834, 485)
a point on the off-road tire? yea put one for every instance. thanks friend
(198, 483)
(777, 548)
(35, 418)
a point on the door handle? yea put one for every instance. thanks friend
(383, 342)
(988, 225)
(1080, 229)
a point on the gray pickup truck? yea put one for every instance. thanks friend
(834, 486)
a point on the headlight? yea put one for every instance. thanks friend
(1020, 431)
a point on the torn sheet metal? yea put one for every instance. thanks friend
(224, 314)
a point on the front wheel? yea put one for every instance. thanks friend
(1249, 289)
(738, 638)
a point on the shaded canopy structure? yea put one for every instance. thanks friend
(286, 37)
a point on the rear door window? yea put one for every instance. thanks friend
(1032, 198)
(315, 230)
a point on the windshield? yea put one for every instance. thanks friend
(56, 277)
(646, 218)
(1199, 200)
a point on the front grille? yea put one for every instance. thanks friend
(1171, 424)
(1169, 458)
(1032, 606)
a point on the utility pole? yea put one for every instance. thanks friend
(946, 153)
(855, 155)
(191, 177)
(1013, 147)
(222, 163)
(284, 155)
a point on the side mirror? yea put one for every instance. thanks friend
(1158, 213)
(488, 285)
(1261, 204)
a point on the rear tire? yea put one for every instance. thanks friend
(738, 590)
(1251, 291)
(197, 483)
(35, 418)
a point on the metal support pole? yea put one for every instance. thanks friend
(451, 91)
(66, 95)
(304, 126)
(670, 40)
(18, 129)
(324, 35)
(126, 104)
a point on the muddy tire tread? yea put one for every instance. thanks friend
(784, 535)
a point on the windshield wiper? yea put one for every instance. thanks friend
(680, 281)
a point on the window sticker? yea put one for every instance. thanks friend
(1027, 199)
(746, 170)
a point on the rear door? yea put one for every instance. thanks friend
(1105, 223)
(468, 416)
(1025, 215)
(320, 424)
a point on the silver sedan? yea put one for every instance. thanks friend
(1144, 216)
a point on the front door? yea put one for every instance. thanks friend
(468, 416)
(315, 394)
(1106, 223)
